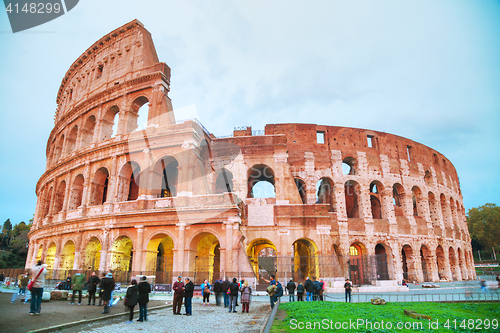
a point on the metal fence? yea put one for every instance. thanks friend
(421, 297)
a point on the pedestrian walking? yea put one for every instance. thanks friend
(308, 286)
(484, 287)
(188, 296)
(38, 274)
(348, 289)
(246, 293)
(23, 283)
(178, 288)
(233, 295)
(322, 290)
(290, 286)
(131, 299)
(300, 292)
(107, 285)
(205, 290)
(67, 285)
(93, 282)
(317, 289)
(100, 289)
(144, 289)
(77, 287)
(271, 289)
(218, 292)
(225, 285)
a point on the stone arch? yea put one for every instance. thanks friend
(133, 114)
(121, 257)
(358, 265)
(441, 263)
(67, 257)
(398, 193)
(426, 263)
(408, 263)
(76, 192)
(128, 182)
(352, 190)
(416, 197)
(50, 256)
(108, 123)
(204, 257)
(59, 198)
(58, 147)
(260, 173)
(71, 140)
(454, 213)
(461, 263)
(224, 181)
(166, 177)
(92, 254)
(47, 201)
(305, 259)
(445, 211)
(382, 258)
(434, 210)
(88, 131)
(325, 193)
(262, 254)
(349, 166)
(39, 253)
(99, 187)
(301, 188)
(454, 267)
(160, 257)
(376, 190)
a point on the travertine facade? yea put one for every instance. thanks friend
(173, 199)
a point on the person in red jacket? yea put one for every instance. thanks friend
(178, 288)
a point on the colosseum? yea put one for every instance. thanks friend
(169, 198)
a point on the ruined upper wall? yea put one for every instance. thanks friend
(118, 56)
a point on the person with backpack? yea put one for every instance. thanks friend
(131, 297)
(38, 275)
(279, 293)
(205, 289)
(308, 286)
(300, 292)
(107, 285)
(78, 283)
(317, 289)
(290, 286)
(246, 292)
(225, 285)
(233, 295)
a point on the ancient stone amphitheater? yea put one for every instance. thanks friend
(169, 198)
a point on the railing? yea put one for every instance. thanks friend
(492, 296)
(270, 319)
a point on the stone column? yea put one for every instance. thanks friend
(179, 257)
(103, 265)
(229, 246)
(98, 126)
(388, 210)
(138, 267)
(86, 186)
(447, 269)
(78, 251)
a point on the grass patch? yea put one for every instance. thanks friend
(329, 314)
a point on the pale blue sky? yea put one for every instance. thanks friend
(426, 70)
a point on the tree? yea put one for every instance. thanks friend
(484, 225)
(6, 233)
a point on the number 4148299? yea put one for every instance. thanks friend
(471, 324)
(34, 8)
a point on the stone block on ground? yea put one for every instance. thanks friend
(58, 294)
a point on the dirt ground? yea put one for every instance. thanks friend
(15, 318)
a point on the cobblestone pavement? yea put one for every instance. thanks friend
(204, 319)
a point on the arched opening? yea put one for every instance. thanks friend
(262, 255)
(99, 187)
(461, 264)
(58, 149)
(92, 257)
(128, 182)
(375, 199)
(416, 197)
(108, 123)
(121, 258)
(67, 258)
(261, 182)
(39, 254)
(325, 192)
(305, 260)
(397, 199)
(428, 178)
(425, 261)
(433, 209)
(204, 258)
(357, 264)
(205, 158)
(47, 202)
(224, 182)
(75, 196)
(453, 209)
(71, 140)
(351, 189)
(440, 262)
(349, 166)
(51, 256)
(59, 199)
(455, 272)
(166, 177)
(444, 211)
(88, 131)
(408, 261)
(138, 115)
(301, 188)
(160, 258)
(381, 259)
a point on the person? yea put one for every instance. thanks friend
(279, 292)
(404, 283)
(111, 302)
(484, 288)
(23, 282)
(131, 299)
(100, 289)
(322, 291)
(38, 274)
(144, 289)
(300, 292)
(205, 290)
(107, 285)
(218, 292)
(290, 286)
(242, 282)
(178, 288)
(77, 288)
(225, 285)
(246, 292)
(308, 286)
(2, 277)
(317, 289)
(233, 288)
(271, 289)
(68, 283)
(93, 282)
(188, 296)
(348, 289)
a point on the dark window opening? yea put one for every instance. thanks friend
(99, 71)
(409, 153)
(369, 139)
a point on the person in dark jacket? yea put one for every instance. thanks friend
(290, 286)
(68, 283)
(107, 285)
(233, 287)
(300, 292)
(100, 289)
(144, 289)
(317, 289)
(225, 285)
(178, 288)
(188, 296)
(348, 289)
(308, 286)
(272, 282)
(218, 292)
(132, 298)
(93, 282)
(279, 292)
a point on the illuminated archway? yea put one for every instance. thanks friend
(39, 254)
(262, 255)
(305, 259)
(92, 257)
(50, 256)
(357, 263)
(204, 257)
(67, 257)
(121, 258)
(160, 258)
